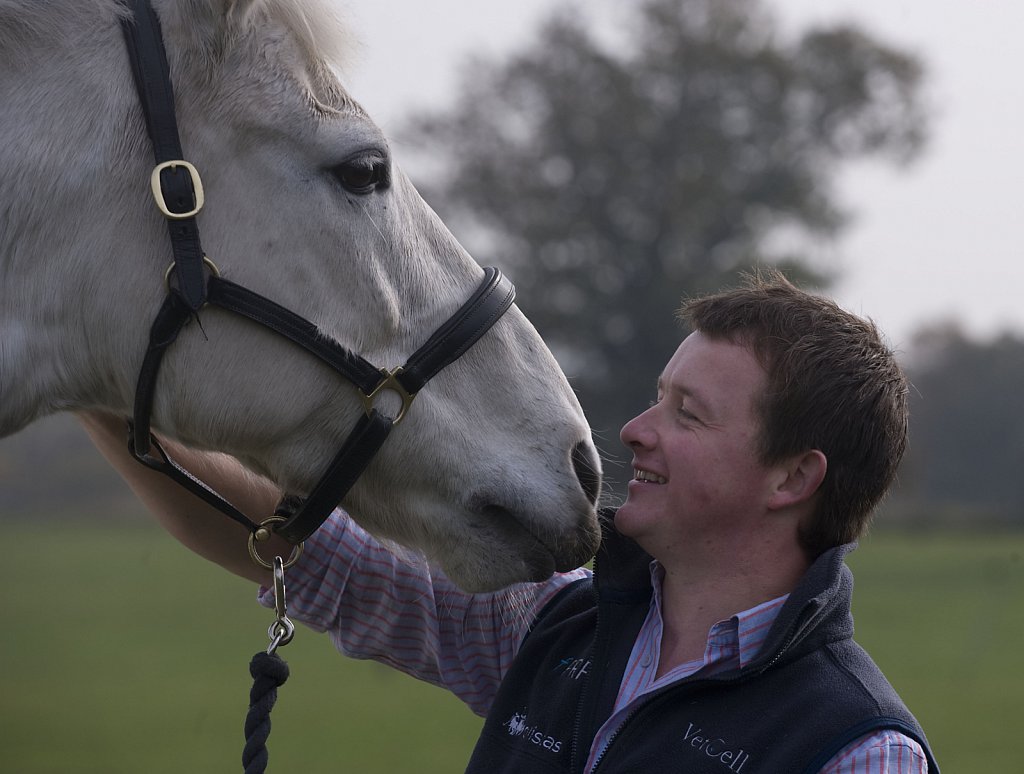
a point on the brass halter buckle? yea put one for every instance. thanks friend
(158, 191)
(388, 382)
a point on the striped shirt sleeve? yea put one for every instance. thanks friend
(883, 752)
(375, 603)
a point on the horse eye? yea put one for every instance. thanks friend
(363, 174)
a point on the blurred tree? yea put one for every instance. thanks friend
(609, 179)
(966, 450)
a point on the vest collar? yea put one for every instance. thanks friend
(816, 611)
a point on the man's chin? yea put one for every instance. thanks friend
(627, 521)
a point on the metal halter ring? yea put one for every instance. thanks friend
(206, 262)
(261, 535)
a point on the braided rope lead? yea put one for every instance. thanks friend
(269, 672)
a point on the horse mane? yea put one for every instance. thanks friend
(318, 28)
(323, 40)
(317, 25)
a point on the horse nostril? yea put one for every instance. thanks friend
(588, 469)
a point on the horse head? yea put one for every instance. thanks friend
(492, 473)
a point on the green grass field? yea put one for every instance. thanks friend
(122, 652)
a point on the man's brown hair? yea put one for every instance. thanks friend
(833, 385)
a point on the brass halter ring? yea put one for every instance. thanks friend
(206, 262)
(261, 535)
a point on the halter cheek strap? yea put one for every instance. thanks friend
(177, 189)
(176, 184)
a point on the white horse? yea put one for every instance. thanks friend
(492, 474)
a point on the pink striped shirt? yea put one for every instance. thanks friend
(375, 603)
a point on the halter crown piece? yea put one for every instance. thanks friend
(178, 191)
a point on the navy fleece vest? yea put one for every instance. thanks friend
(810, 691)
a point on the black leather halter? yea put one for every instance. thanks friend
(194, 282)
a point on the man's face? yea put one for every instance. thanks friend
(696, 473)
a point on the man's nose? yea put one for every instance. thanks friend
(637, 431)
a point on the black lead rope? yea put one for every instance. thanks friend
(269, 672)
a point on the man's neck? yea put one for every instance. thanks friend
(694, 601)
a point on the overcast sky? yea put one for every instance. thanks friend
(939, 240)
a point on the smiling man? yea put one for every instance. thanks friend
(714, 633)
(717, 626)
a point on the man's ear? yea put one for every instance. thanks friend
(798, 480)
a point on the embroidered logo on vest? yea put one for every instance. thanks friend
(716, 747)
(573, 668)
(517, 726)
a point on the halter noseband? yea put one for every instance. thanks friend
(193, 282)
